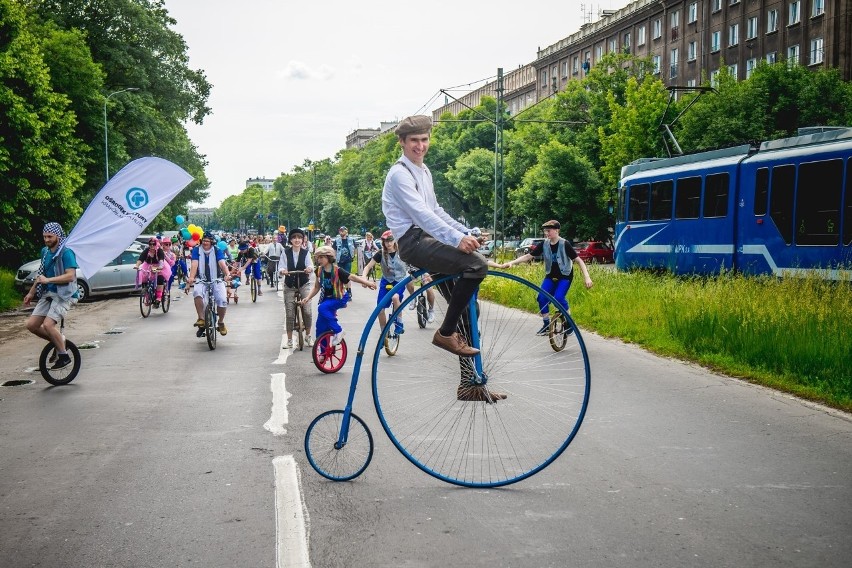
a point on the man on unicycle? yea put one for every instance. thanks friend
(57, 282)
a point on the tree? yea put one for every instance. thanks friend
(40, 157)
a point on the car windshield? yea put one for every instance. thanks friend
(581, 246)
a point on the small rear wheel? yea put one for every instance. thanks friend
(391, 342)
(64, 375)
(254, 286)
(329, 358)
(560, 329)
(330, 458)
(422, 314)
(298, 324)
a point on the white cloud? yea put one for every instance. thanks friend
(300, 71)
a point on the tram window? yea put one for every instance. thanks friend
(847, 211)
(761, 191)
(818, 202)
(781, 200)
(716, 195)
(661, 200)
(638, 207)
(688, 198)
(622, 203)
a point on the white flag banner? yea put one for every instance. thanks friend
(122, 209)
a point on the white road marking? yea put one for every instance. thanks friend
(279, 417)
(291, 527)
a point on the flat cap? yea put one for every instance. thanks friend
(417, 124)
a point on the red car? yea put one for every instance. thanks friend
(594, 252)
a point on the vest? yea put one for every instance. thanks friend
(393, 269)
(296, 280)
(566, 267)
(338, 287)
(64, 291)
(212, 263)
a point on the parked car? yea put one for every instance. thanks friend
(526, 245)
(487, 249)
(116, 277)
(594, 252)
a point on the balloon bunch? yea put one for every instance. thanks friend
(192, 234)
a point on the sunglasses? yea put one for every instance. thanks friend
(152, 243)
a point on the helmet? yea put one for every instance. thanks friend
(174, 239)
(387, 235)
(326, 251)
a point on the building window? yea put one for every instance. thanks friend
(734, 2)
(717, 5)
(691, 51)
(793, 55)
(658, 28)
(612, 45)
(564, 69)
(771, 21)
(692, 13)
(544, 78)
(733, 35)
(733, 70)
(575, 65)
(691, 83)
(751, 65)
(816, 51)
(794, 14)
(772, 57)
(715, 42)
(626, 42)
(598, 53)
(751, 28)
(818, 8)
(640, 35)
(656, 62)
(675, 18)
(714, 78)
(673, 60)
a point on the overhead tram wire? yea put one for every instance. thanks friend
(445, 91)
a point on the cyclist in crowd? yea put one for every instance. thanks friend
(181, 268)
(250, 261)
(430, 294)
(56, 290)
(345, 248)
(557, 275)
(171, 259)
(274, 252)
(151, 258)
(208, 263)
(233, 249)
(369, 248)
(296, 266)
(393, 272)
(333, 282)
(431, 239)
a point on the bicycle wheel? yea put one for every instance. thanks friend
(559, 332)
(448, 415)
(166, 301)
(210, 324)
(329, 358)
(67, 373)
(298, 324)
(391, 343)
(145, 302)
(254, 286)
(422, 315)
(328, 457)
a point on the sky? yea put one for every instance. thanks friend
(291, 79)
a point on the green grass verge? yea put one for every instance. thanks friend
(9, 297)
(792, 334)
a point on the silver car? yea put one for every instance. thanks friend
(116, 277)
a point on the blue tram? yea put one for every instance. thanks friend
(782, 208)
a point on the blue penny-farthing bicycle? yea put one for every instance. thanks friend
(427, 409)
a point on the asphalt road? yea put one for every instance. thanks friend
(163, 453)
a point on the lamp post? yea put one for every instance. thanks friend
(106, 130)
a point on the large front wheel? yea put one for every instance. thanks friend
(330, 458)
(493, 419)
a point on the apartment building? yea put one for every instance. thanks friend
(690, 40)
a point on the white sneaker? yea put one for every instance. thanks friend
(430, 316)
(289, 344)
(338, 337)
(309, 340)
(412, 305)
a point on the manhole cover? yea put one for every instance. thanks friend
(88, 346)
(17, 383)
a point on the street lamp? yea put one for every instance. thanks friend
(106, 136)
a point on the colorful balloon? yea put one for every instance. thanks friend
(222, 245)
(179, 219)
(185, 234)
(196, 236)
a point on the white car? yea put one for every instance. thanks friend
(116, 277)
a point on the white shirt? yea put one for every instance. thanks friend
(405, 203)
(275, 249)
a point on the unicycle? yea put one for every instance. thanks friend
(48, 356)
(484, 421)
(329, 358)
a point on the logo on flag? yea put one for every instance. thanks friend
(137, 198)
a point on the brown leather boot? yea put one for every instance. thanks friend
(454, 344)
(479, 393)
